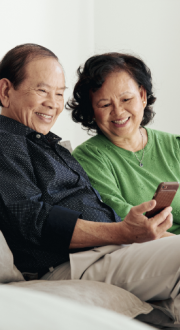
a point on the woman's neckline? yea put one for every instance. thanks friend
(126, 152)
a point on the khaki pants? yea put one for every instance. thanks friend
(151, 270)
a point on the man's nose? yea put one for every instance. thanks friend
(51, 101)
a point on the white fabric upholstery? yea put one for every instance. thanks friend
(84, 292)
(92, 293)
(19, 300)
(8, 271)
(24, 309)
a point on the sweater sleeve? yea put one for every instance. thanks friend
(25, 218)
(178, 143)
(102, 177)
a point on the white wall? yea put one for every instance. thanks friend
(64, 26)
(76, 29)
(150, 29)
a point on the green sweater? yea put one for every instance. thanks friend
(121, 182)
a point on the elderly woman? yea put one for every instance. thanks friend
(46, 197)
(125, 161)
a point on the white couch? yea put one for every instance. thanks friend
(70, 304)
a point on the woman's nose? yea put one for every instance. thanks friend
(118, 109)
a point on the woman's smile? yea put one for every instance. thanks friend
(121, 122)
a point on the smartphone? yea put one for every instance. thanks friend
(164, 196)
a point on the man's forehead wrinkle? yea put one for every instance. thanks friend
(41, 84)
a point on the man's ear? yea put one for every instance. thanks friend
(5, 86)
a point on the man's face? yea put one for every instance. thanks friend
(39, 99)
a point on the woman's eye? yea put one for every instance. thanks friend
(106, 105)
(125, 100)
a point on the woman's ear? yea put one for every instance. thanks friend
(5, 86)
(143, 94)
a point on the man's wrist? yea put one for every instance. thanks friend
(89, 234)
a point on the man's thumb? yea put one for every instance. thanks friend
(144, 207)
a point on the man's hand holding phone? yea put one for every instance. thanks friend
(138, 228)
(157, 219)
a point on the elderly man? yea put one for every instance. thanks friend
(49, 211)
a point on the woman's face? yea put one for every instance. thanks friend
(39, 99)
(118, 106)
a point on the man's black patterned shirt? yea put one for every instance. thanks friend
(43, 192)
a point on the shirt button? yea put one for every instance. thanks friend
(38, 136)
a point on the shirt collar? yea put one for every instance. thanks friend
(15, 127)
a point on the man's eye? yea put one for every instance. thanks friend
(125, 100)
(42, 90)
(59, 94)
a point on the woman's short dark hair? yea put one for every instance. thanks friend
(92, 76)
(13, 64)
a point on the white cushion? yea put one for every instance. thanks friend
(92, 293)
(24, 309)
(8, 271)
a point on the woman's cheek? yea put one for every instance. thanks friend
(102, 115)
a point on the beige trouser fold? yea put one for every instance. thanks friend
(149, 270)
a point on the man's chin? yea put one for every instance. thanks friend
(42, 130)
(41, 126)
